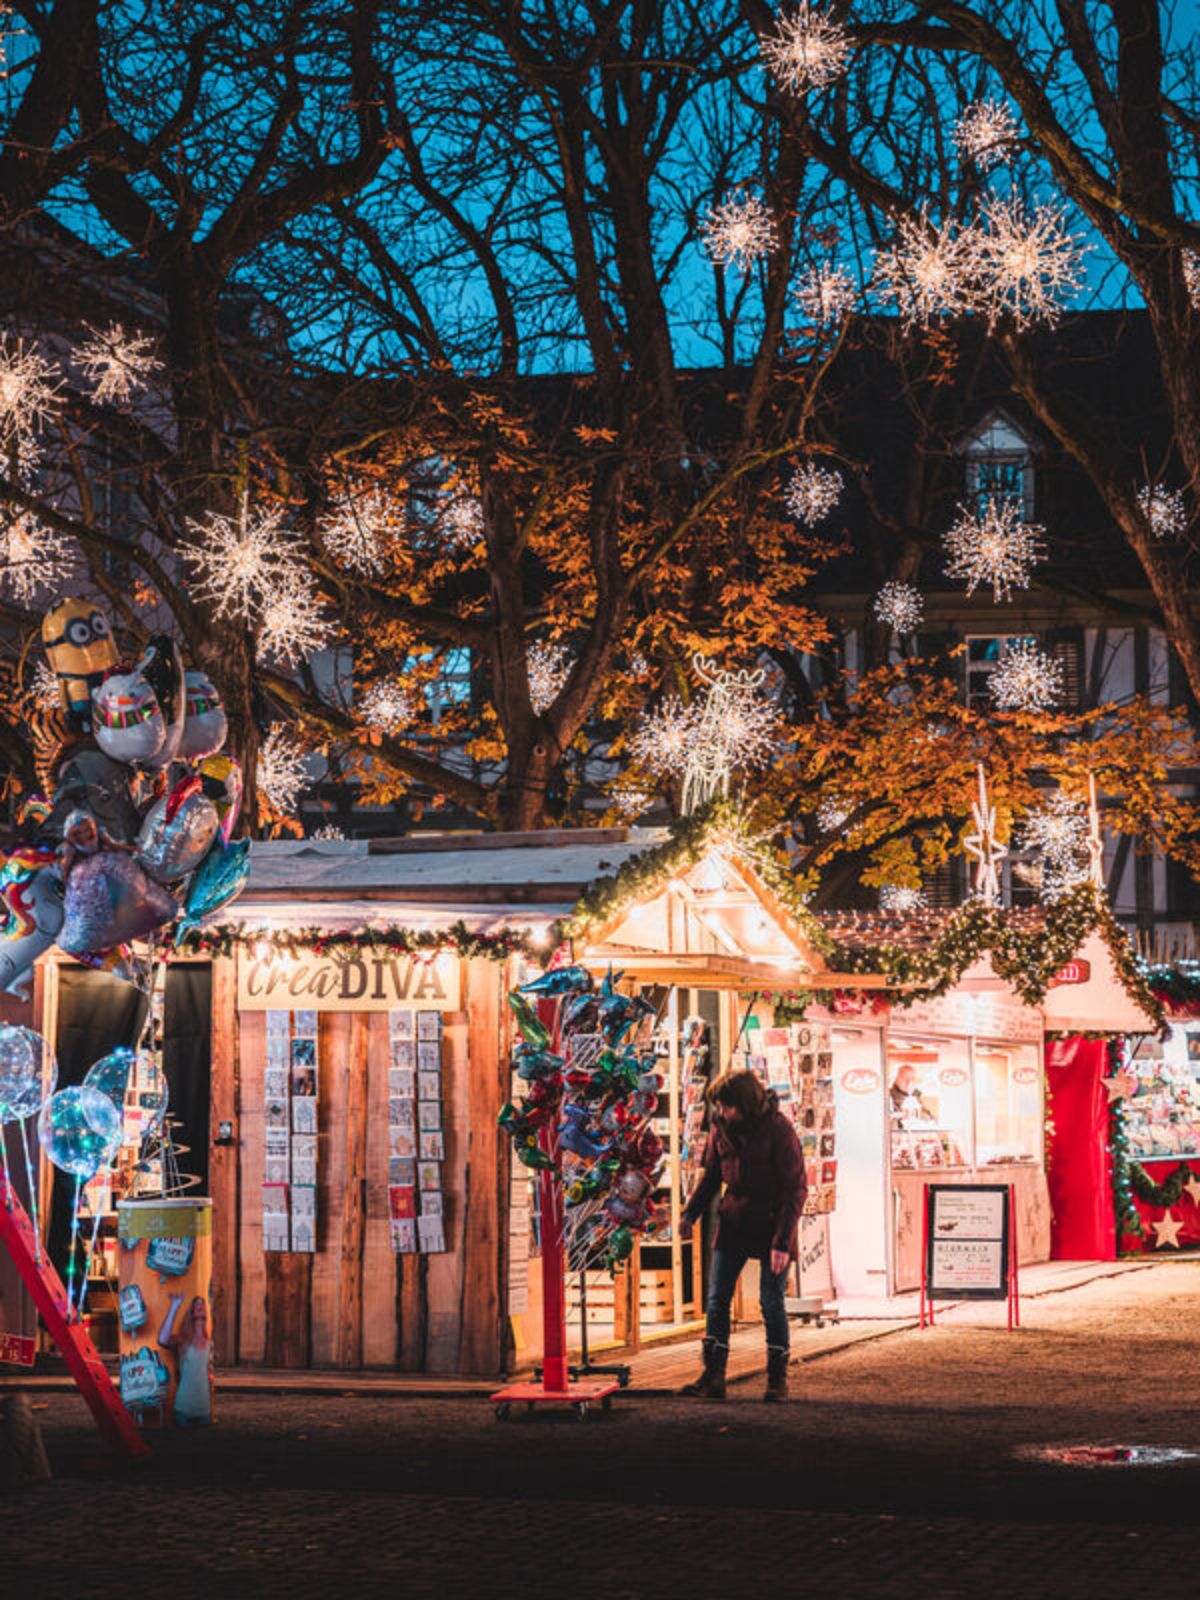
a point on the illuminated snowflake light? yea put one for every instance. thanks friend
(808, 50)
(994, 546)
(813, 492)
(292, 625)
(356, 527)
(739, 231)
(986, 134)
(899, 899)
(328, 831)
(33, 558)
(388, 705)
(461, 523)
(44, 690)
(28, 387)
(1026, 262)
(1060, 830)
(827, 294)
(632, 803)
(832, 814)
(1191, 276)
(927, 270)
(281, 772)
(243, 562)
(900, 607)
(116, 363)
(549, 667)
(735, 727)
(663, 737)
(1026, 678)
(1164, 509)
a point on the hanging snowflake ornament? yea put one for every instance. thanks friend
(832, 814)
(632, 802)
(281, 772)
(1060, 831)
(900, 606)
(826, 294)
(995, 546)
(461, 523)
(292, 623)
(549, 667)
(116, 363)
(813, 492)
(29, 388)
(985, 134)
(1026, 678)
(927, 269)
(34, 559)
(899, 899)
(739, 231)
(1191, 276)
(662, 738)
(1164, 509)
(44, 690)
(734, 727)
(328, 831)
(808, 50)
(388, 705)
(243, 561)
(356, 529)
(1026, 262)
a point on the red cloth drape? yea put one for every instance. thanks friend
(1078, 1164)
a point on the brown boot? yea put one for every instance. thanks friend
(710, 1385)
(777, 1375)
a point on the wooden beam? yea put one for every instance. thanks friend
(223, 1161)
(350, 1292)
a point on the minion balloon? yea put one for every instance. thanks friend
(77, 636)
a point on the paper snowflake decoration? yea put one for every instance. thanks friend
(329, 831)
(826, 294)
(356, 528)
(1026, 678)
(1191, 275)
(985, 133)
(461, 523)
(292, 623)
(661, 741)
(1164, 509)
(734, 727)
(808, 50)
(739, 231)
(927, 269)
(900, 607)
(281, 772)
(549, 667)
(29, 387)
(388, 705)
(244, 561)
(899, 899)
(116, 363)
(813, 492)
(1060, 830)
(995, 546)
(33, 558)
(1026, 262)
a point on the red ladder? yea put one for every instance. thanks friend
(50, 1297)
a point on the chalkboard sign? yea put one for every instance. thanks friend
(968, 1241)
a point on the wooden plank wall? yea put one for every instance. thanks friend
(354, 1303)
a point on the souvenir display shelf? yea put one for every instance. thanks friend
(1162, 1116)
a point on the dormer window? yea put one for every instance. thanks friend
(999, 462)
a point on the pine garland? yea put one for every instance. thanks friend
(224, 938)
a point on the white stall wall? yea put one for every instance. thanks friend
(857, 1228)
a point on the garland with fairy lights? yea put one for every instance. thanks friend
(223, 940)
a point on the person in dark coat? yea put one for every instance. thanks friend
(752, 1150)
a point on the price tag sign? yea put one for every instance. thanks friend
(967, 1242)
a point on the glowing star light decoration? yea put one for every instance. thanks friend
(739, 231)
(549, 667)
(826, 294)
(1164, 509)
(387, 705)
(985, 134)
(995, 546)
(663, 737)
(33, 558)
(899, 899)
(1061, 831)
(281, 770)
(813, 492)
(243, 562)
(927, 269)
(1026, 678)
(355, 530)
(735, 727)
(1026, 262)
(28, 388)
(116, 363)
(808, 50)
(983, 846)
(900, 607)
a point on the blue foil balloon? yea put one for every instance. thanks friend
(80, 1131)
(21, 1087)
(219, 877)
(111, 1075)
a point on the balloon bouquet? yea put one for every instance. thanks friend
(598, 1092)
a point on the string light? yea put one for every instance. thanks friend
(292, 625)
(1026, 262)
(281, 771)
(734, 727)
(242, 562)
(739, 231)
(813, 492)
(549, 667)
(33, 558)
(387, 705)
(832, 814)
(661, 741)
(808, 50)
(116, 362)
(1164, 509)
(356, 527)
(985, 133)
(898, 898)
(1026, 678)
(900, 607)
(44, 690)
(994, 546)
(632, 802)
(28, 390)
(328, 831)
(927, 269)
(826, 294)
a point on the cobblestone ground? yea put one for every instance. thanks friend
(894, 1473)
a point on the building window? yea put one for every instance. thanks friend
(999, 465)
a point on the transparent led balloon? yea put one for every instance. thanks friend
(134, 1082)
(80, 1131)
(21, 1085)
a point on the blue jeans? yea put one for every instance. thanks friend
(724, 1272)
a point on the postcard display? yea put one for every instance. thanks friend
(416, 1137)
(797, 1063)
(290, 1132)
